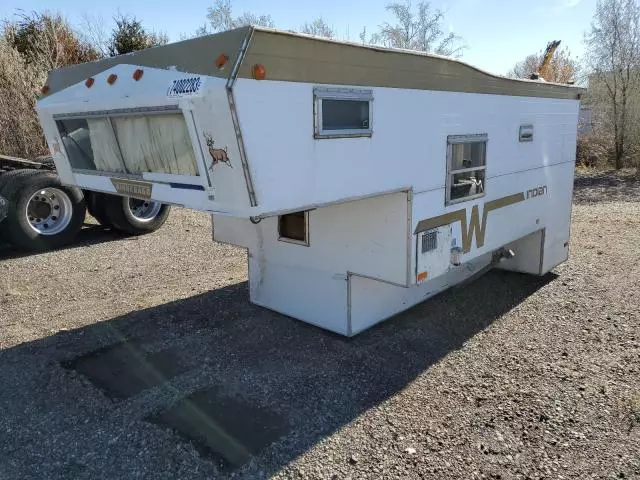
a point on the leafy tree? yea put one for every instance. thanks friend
(613, 57)
(561, 69)
(420, 29)
(220, 18)
(319, 28)
(130, 36)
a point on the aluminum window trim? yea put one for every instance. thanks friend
(468, 138)
(326, 93)
(470, 169)
(457, 140)
(306, 242)
(200, 158)
(120, 112)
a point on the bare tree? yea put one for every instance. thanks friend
(561, 69)
(613, 57)
(363, 35)
(319, 28)
(92, 30)
(220, 18)
(417, 30)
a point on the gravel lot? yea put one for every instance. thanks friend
(142, 357)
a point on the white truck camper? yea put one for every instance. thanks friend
(361, 180)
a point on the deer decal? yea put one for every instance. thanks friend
(218, 155)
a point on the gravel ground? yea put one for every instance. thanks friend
(142, 357)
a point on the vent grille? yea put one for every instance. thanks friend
(429, 241)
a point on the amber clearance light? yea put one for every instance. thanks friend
(137, 75)
(222, 60)
(111, 79)
(89, 82)
(259, 72)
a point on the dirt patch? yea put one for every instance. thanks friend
(126, 369)
(229, 430)
(598, 187)
(509, 376)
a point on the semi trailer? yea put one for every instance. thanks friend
(361, 180)
(38, 212)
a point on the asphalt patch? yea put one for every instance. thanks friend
(126, 369)
(226, 429)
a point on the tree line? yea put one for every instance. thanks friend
(33, 44)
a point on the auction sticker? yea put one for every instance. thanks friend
(185, 87)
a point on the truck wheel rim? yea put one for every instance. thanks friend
(143, 210)
(49, 211)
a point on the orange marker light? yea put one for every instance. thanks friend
(422, 276)
(89, 82)
(45, 89)
(222, 60)
(259, 72)
(137, 75)
(111, 79)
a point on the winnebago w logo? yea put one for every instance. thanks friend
(475, 226)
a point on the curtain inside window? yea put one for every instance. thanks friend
(156, 143)
(106, 154)
(137, 144)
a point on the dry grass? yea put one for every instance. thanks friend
(20, 131)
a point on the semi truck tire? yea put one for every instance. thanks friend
(5, 179)
(4, 209)
(132, 216)
(96, 209)
(43, 214)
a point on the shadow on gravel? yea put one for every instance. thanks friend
(607, 186)
(241, 381)
(89, 235)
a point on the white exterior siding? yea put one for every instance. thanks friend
(407, 148)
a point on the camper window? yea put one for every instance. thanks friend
(294, 227)
(466, 167)
(129, 143)
(342, 112)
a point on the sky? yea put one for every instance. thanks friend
(497, 33)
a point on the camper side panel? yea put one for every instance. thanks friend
(309, 280)
(407, 146)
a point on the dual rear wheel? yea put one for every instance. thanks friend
(127, 215)
(43, 214)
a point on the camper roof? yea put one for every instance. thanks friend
(295, 57)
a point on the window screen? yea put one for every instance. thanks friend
(466, 167)
(75, 138)
(345, 114)
(293, 227)
(429, 241)
(342, 112)
(158, 143)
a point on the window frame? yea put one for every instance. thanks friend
(304, 242)
(325, 93)
(457, 140)
(200, 157)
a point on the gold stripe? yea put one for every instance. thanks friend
(446, 219)
(474, 226)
